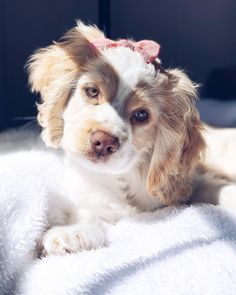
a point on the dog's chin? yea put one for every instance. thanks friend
(117, 163)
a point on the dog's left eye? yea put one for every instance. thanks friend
(92, 92)
(139, 116)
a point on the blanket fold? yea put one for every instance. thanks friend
(184, 250)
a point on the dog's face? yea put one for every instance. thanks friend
(110, 118)
(110, 110)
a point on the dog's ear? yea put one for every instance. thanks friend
(179, 142)
(53, 72)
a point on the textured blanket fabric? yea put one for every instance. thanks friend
(185, 250)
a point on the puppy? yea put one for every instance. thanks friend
(130, 131)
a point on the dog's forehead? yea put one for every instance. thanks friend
(120, 72)
(129, 65)
(131, 69)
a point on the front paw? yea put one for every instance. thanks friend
(60, 240)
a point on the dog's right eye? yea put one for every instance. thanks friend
(91, 92)
(139, 116)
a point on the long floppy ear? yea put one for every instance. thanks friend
(53, 72)
(179, 142)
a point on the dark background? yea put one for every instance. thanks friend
(196, 35)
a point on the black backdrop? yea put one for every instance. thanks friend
(198, 36)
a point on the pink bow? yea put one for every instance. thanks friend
(149, 49)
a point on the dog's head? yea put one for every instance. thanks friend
(110, 109)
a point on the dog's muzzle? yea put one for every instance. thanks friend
(103, 144)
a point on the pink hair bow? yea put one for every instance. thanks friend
(149, 49)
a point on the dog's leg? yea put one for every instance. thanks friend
(73, 230)
(215, 188)
(88, 232)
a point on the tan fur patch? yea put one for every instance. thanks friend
(102, 76)
(141, 98)
(54, 72)
(53, 75)
(179, 142)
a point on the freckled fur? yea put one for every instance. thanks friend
(157, 161)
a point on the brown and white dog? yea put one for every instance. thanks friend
(131, 134)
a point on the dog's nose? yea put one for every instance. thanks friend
(104, 144)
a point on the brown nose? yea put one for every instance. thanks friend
(104, 144)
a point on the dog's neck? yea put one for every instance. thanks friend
(129, 186)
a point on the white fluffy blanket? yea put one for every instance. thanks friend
(185, 250)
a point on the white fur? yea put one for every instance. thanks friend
(130, 65)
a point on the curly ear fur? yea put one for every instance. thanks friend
(53, 72)
(179, 143)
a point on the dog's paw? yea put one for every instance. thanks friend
(71, 239)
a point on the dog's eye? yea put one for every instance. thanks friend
(139, 116)
(92, 92)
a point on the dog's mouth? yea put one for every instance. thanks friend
(99, 156)
(113, 161)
